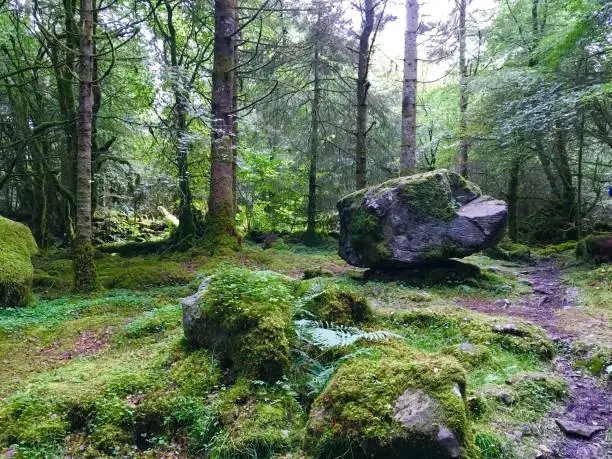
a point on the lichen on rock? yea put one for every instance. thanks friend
(16, 271)
(393, 400)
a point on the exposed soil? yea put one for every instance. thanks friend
(89, 342)
(589, 403)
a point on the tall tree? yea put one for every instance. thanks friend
(363, 85)
(84, 266)
(221, 217)
(314, 133)
(462, 154)
(408, 145)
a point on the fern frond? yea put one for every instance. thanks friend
(327, 335)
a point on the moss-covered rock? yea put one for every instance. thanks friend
(518, 336)
(596, 248)
(16, 272)
(244, 316)
(511, 251)
(393, 402)
(470, 355)
(338, 304)
(418, 219)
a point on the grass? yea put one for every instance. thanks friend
(108, 373)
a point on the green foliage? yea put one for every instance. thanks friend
(153, 322)
(492, 447)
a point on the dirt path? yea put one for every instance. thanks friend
(589, 404)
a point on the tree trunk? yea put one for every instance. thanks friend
(565, 173)
(462, 154)
(362, 95)
(314, 142)
(408, 147)
(221, 219)
(84, 267)
(513, 184)
(579, 212)
(186, 226)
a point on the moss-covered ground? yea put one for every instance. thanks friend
(109, 373)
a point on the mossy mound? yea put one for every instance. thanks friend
(518, 337)
(393, 402)
(245, 316)
(257, 420)
(16, 272)
(596, 248)
(470, 355)
(511, 251)
(336, 304)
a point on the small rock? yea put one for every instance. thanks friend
(509, 329)
(526, 282)
(544, 452)
(543, 290)
(578, 429)
(502, 303)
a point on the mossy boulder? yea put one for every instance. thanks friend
(17, 246)
(420, 219)
(338, 304)
(245, 317)
(393, 402)
(511, 251)
(596, 248)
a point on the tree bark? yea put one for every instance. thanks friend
(221, 219)
(84, 266)
(462, 154)
(363, 85)
(186, 226)
(311, 226)
(408, 146)
(512, 194)
(562, 165)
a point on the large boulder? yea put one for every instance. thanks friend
(245, 318)
(595, 248)
(393, 402)
(417, 220)
(17, 245)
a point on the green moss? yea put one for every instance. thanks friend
(16, 271)
(337, 304)
(356, 411)
(246, 317)
(469, 355)
(85, 275)
(258, 421)
(430, 194)
(511, 251)
(520, 337)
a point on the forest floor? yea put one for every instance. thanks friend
(548, 306)
(88, 375)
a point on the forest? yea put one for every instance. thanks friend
(306, 229)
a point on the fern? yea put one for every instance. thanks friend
(326, 335)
